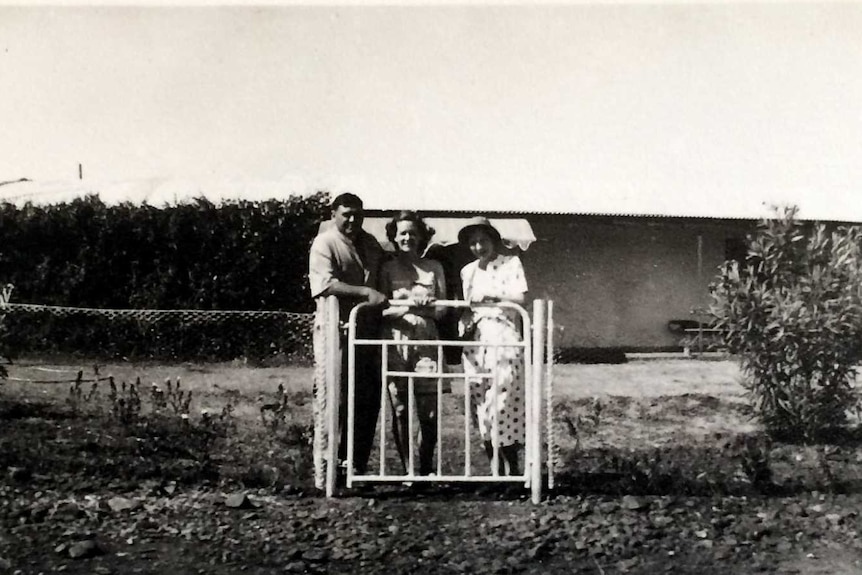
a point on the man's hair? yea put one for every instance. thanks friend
(347, 200)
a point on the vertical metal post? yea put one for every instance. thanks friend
(535, 450)
(440, 369)
(385, 400)
(549, 396)
(351, 394)
(468, 466)
(333, 376)
(527, 341)
(495, 423)
(411, 407)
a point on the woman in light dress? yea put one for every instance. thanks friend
(494, 277)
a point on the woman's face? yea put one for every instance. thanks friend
(407, 236)
(481, 245)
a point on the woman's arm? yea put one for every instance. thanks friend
(511, 283)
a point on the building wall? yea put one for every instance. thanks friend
(617, 281)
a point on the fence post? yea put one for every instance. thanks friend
(333, 391)
(535, 448)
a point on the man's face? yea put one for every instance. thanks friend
(348, 220)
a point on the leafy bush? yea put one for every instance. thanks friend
(238, 255)
(793, 313)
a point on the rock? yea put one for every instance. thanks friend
(295, 567)
(314, 554)
(38, 512)
(633, 503)
(19, 474)
(239, 501)
(85, 549)
(121, 504)
(68, 510)
(608, 507)
(5, 564)
(289, 489)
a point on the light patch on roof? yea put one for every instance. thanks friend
(445, 196)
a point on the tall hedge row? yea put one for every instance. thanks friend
(237, 255)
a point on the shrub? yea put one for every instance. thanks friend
(238, 255)
(793, 313)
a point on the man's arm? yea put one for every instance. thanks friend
(341, 289)
(323, 276)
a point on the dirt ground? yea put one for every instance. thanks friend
(659, 470)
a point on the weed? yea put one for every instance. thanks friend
(752, 451)
(277, 409)
(178, 399)
(125, 401)
(77, 399)
(579, 425)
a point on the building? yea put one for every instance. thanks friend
(616, 280)
(617, 268)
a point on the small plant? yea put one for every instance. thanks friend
(276, 410)
(158, 401)
(77, 399)
(125, 401)
(178, 399)
(752, 451)
(793, 313)
(221, 422)
(578, 425)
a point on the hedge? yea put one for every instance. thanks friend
(238, 255)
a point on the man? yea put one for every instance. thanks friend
(344, 261)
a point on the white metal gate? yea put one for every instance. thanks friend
(537, 345)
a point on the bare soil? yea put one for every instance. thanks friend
(660, 469)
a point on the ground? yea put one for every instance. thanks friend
(660, 469)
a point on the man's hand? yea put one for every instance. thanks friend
(374, 297)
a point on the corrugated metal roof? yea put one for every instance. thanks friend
(839, 207)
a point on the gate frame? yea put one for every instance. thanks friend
(538, 363)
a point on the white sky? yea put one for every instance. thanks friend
(708, 108)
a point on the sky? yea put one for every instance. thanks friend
(708, 109)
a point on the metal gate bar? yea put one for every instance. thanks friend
(535, 369)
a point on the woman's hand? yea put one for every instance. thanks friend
(402, 293)
(423, 300)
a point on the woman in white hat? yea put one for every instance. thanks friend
(494, 277)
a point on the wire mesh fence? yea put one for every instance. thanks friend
(259, 335)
